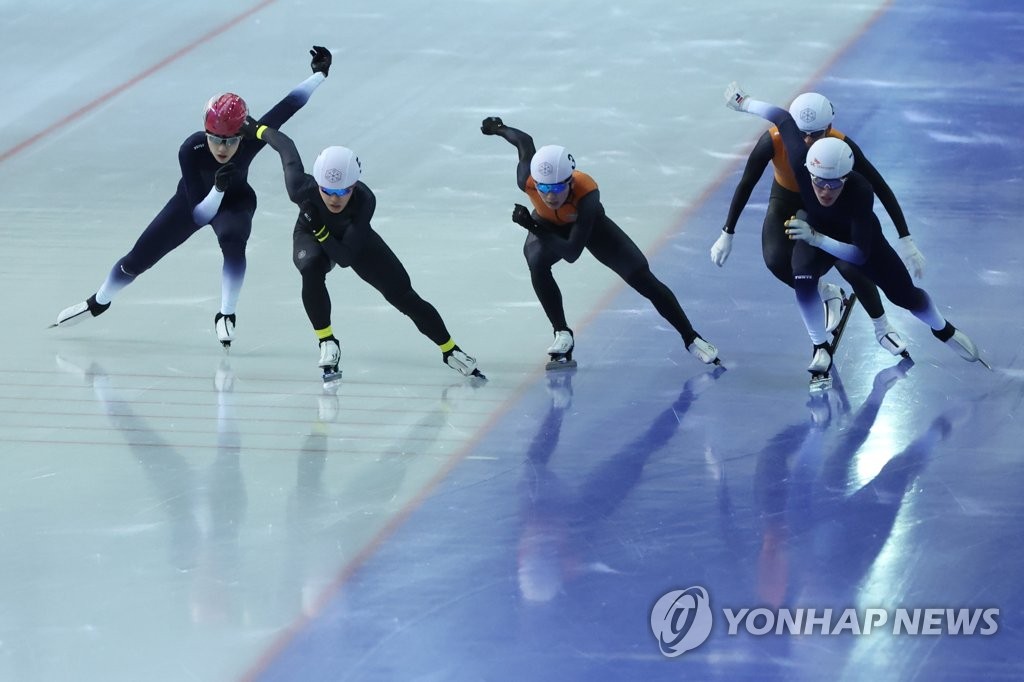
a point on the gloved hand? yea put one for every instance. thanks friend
(321, 62)
(225, 176)
(798, 228)
(912, 257)
(521, 216)
(721, 249)
(735, 97)
(248, 129)
(308, 220)
(491, 125)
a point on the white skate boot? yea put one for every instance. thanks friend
(964, 347)
(74, 314)
(560, 351)
(889, 338)
(833, 299)
(464, 364)
(225, 325)
(704, 351)
(820, 368)
(330, 356)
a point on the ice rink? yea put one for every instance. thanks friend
(172, 512)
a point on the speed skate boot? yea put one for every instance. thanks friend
(225, 325)
(704, 351)
(889, 338)
(464, 364)
(820, 368)
(77, 313)
(833, 298)
(330, 356)
(959, 342)
(560, 351)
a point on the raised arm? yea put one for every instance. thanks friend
(294, 100)
(295, 178)
(520, 140)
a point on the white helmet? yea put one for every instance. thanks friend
(812, 112)
(337, 168)
(551, 164)
(829, 158)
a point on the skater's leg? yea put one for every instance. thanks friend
(378, 266)
(313, 265)
(540, 261)
(886, 268)
(167, 231)
(867, 292)
(776, 247)
(232, 228)
(809, 264)
(665, 302)
(613, 248)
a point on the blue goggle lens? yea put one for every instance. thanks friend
(552, 188)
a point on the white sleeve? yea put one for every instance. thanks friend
(841, 250)
(306, 87)
(204, 211)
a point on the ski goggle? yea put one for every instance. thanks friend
(828, 183)
(336, 192)
(226, 141)
(814, 134)
(552, 187)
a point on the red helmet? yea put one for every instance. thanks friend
(225, 114)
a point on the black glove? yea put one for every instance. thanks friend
(248, 129)
(521, 216)
(491, 125)
(321, 62)
(225, 176)
(308, 218)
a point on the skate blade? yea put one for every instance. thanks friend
(819, 383)
(477, 374)
(560, 364)
(331, 378)
(984, 364)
